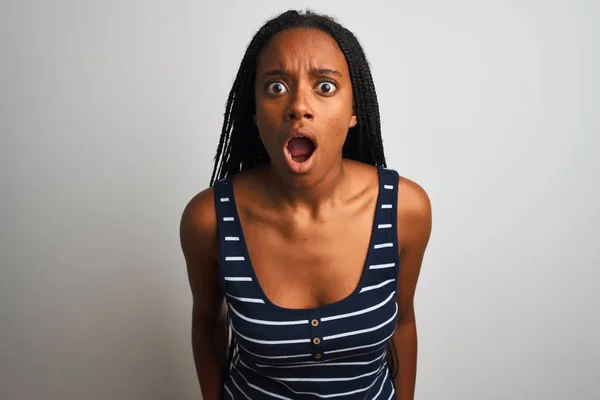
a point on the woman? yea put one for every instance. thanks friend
(304, 244)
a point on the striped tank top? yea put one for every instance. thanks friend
(334, 351)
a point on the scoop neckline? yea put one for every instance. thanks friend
(314, 310)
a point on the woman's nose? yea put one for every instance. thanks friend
(300, 105)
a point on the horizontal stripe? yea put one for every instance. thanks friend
(238, 279)
(359, 312)
(264, 322)
(382, 266)
(247, 299)
(358, 332)
(388, 187)
(232, 238)
(276, 357)
(327, 379)
(227, 219)
(367, 288)
(386, 206)
(235, 258)
(383, 245)
(329, 360)
(359, 347)
(312, 364)
(224, 199)
(291, 341)
(384, 226)
(356, 354)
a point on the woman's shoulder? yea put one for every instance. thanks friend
(414, 212)
(199, 218)
(413, 199)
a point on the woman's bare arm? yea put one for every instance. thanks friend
(414, 230)
(199, 243)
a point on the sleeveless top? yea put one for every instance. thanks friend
(334, 351)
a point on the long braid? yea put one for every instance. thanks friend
(240, 147)
(367, 139)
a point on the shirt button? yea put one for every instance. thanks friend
(314, 322)
(318, 356)
(316, 340)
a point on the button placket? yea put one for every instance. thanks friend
(316, 337)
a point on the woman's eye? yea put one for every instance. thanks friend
(276, 88)
(326, 87)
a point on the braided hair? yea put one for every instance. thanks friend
(240, 147)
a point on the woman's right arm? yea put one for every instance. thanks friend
(199, 243)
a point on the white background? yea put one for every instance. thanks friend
(110, 112)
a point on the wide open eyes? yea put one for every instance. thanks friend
(326, 87)
(276, 88)
(323, 87)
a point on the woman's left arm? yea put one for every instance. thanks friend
(414, 230)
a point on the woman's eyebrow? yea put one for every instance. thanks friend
(313, 71)
(325, 71)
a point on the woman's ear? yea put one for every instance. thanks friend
(353, 120)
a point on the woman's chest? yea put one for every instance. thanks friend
(312, 265)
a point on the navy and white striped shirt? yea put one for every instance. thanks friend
(334, 351)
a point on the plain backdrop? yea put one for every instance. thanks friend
(110, 113)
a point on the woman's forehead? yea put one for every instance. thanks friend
(302, 48)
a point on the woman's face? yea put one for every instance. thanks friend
(303, 100)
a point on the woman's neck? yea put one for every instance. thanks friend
(311, 195)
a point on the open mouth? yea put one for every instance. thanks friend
(300, 148)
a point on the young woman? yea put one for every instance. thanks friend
(305, 246)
